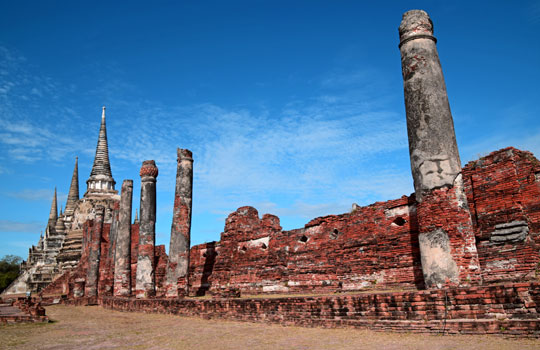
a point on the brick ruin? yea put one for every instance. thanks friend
(59, 250)
(460, 254)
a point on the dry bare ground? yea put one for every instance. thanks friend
(96, 328)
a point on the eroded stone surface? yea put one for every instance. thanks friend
(122, 263)
(145, 280)
(177, 277)
(94, 254)
(435, 162)
(432, 143)
(437, 262)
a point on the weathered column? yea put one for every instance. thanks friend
(94, 254)
(145, 281)
(122, 258)
(177, 277)
(446, 237)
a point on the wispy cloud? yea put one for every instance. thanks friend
(16, 226)
(36, 195)
(32, 127)
(29, 141)
(308, 157)
(302, 154)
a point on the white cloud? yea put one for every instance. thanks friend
(16, 226)
(37, 195)
(31, 127)
(309, 157)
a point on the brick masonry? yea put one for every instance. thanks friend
(21, 310)
(376, 246)
(503, 188)
(373, 248)
(510, 310)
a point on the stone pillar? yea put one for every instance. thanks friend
(94, 254)
(177, 276)
(446, 237)
(145, 281)
(122, 257)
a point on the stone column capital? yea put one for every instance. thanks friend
(149, 171)
(415, 24)
(184, 155)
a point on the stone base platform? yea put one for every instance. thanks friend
(13, 313)
(507, 310)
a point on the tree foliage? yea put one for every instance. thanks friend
(9, 270)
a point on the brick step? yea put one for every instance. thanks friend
(22, 318)
(396, 315)
(520, 328)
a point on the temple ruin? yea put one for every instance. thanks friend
(460, 254)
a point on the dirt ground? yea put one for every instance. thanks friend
(96, 328)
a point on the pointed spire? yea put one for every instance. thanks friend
(101, 180)
(136, 221)
(53, 215)
(73, 195)
(101, 161)
(60, 227)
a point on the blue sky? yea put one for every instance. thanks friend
(293, 107)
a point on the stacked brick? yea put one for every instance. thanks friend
(503, 190)
(106, 264)
(371, 248)
(461, 227)
(21, 310)
(509, 310)
(376, 247)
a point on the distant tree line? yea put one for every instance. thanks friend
(9, 270)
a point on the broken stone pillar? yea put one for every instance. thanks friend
(122, 257)
(145, 279)
(446, 237)
(177, 276)
(94, 254)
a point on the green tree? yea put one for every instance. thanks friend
(9, 270)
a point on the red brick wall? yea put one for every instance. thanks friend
(106, 263)
(134, 254)
(377, 246)
(161, 268)
(502, 188)
(372, 247)
(64, 284)
(511, 309)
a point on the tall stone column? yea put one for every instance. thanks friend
(177, 277)
(446, 237)
(145, 281)
(122, 258)
(94, 254)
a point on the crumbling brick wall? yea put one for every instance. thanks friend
(371, 247)
(376, 247)
(503, 191)
(509, 310)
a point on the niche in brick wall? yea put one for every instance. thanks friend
(399, 221)
(303, 239)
